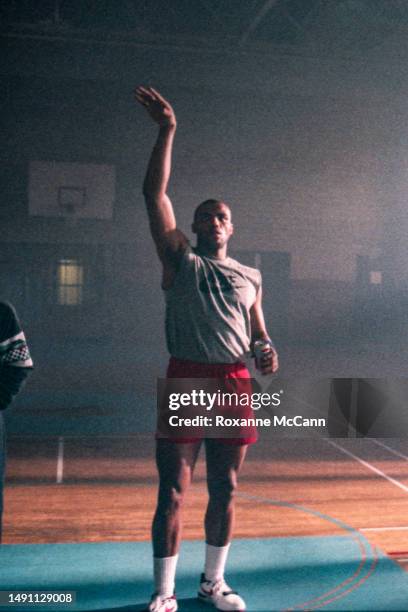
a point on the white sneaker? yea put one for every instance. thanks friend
(157, 604)
(220, 595)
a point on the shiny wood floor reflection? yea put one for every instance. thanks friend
(287, 488)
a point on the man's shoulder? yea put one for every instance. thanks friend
(229, 263)
(248, 271)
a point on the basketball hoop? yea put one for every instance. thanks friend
(71, 199)
(71, 190)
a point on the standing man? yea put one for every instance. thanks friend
(213, 317)
(15, 365)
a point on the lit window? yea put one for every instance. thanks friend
(70, 279)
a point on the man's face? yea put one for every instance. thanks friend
(213, 225)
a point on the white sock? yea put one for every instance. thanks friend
(215, 559)
(164, 575)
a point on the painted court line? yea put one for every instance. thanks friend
(60, 460)
(384, 529)
(391, 450)
(361, 573)
(398, 552)
(368, 465)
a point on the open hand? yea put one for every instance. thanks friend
(158, 108)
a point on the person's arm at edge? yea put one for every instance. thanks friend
(14, 369)
(12, 380)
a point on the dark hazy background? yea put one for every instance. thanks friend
(294, 112)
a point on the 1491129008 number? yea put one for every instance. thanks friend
(36, 597)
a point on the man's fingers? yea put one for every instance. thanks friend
(159, 98)
(141, 99)
(149, 95)
(156, 106)
(151, 92)
(147, 98)
(145, 94)
(269, 356)
(157, 95)
(269, 363)
(143, 90)
(142, 93)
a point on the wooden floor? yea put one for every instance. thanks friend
(287, 488)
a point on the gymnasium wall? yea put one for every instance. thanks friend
(310, 152)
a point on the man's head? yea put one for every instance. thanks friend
(212, 224)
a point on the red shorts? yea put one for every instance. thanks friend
(180, 368)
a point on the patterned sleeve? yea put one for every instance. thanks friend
(13, 346)
(15, 359)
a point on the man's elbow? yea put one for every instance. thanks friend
(152, 189)
(152, 196)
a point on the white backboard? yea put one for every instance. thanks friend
(62, 189)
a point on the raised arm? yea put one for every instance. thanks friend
(168, 239)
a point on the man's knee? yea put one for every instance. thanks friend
(171, 496)
(222, 489)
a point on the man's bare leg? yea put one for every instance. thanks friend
(175, 463)
(223, 464)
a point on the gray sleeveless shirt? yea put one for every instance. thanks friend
(207, 309)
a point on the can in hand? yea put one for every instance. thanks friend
(261, 347)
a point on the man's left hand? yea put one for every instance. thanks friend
(269, 362)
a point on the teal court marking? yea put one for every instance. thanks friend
(341, 572)
(364, 569)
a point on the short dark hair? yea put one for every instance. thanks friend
(210, 201)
